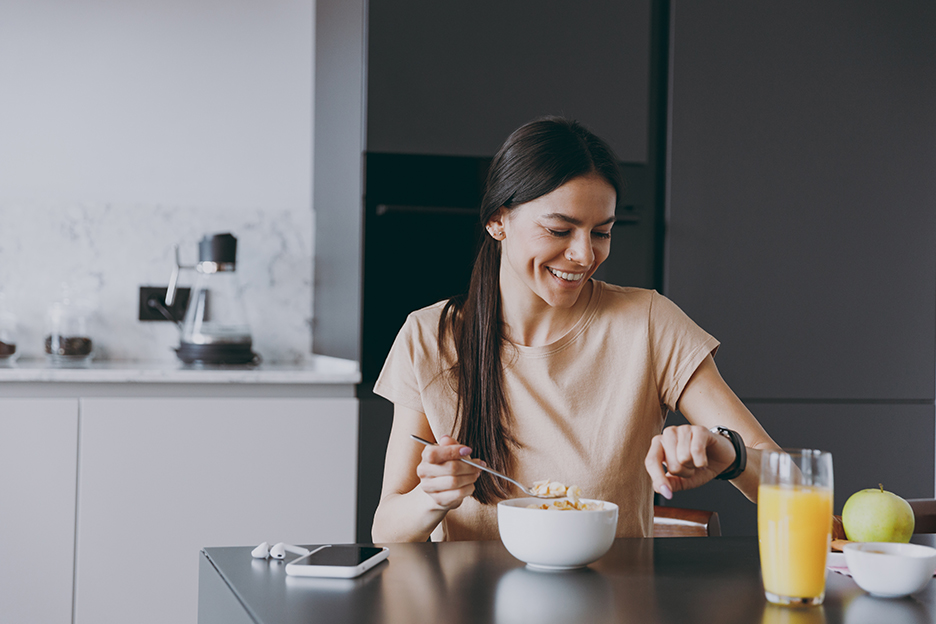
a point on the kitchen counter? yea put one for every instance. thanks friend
(319, 375)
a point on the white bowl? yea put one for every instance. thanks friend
(548, 539)
(890, 570)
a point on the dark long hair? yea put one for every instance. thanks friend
(535, 160)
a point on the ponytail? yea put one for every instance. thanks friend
(536, 159)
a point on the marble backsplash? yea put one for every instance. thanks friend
(105, 252)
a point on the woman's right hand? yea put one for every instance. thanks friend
(420, 484)
(443, 477)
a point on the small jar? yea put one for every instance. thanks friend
(68, 341)
(8, 334)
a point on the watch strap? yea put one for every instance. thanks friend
(740, 463)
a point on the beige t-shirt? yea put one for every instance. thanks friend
(583, 408)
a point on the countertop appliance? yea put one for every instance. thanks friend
(215, 328)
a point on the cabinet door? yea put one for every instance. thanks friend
(455, 78)
(801, 220)
(38, 458)
(162, 478)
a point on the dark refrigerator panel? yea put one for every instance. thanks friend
(421, 231)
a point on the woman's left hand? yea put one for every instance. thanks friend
(685, 457)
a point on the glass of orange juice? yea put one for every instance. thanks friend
(794, 524)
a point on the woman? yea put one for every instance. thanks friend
(542, 372)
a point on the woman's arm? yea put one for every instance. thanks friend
(420, 484)
(693, 455)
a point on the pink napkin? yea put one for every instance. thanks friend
(835, 561)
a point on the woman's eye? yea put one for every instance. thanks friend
(558, 232)
(602, 234)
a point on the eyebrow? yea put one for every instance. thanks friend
(572, 220)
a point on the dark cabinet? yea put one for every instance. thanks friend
(802, 220)
(455, 78)
(802, 228)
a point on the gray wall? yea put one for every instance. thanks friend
(338, 176)
(129, 127)
(801, 226)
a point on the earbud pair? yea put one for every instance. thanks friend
(278, 551)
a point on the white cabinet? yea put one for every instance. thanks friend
(160, 478)
(38, 450)
(115, 476)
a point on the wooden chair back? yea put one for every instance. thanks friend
(924, 513)
(681, 522)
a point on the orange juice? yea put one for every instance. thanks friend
(794, 528)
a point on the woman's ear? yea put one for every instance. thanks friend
(495, 225)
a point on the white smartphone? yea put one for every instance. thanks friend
(337, 561)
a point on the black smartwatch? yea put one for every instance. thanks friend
(740, 463)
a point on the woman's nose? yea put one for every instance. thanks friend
(580, 251)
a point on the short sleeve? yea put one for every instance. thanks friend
(398, 381)
(677, 346)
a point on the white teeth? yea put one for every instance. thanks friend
(572, 277)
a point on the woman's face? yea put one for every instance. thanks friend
(553, 244)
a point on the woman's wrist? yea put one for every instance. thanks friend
(410, 517)
(737, 467)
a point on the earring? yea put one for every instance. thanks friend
(496, 235)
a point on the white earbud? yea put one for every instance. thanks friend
(279, 551)
(262, 551)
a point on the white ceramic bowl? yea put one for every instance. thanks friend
(890, 570)
(548, 539)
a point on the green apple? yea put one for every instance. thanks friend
(874, 515)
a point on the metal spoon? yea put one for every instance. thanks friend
(524, 488)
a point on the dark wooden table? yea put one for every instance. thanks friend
(643, 581)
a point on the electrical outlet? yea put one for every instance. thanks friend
(157, 294)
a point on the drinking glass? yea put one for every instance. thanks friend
(794, 524)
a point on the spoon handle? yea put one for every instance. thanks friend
(479, 466)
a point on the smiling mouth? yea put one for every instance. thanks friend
(569, 277)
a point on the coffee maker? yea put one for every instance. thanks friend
(215, 329)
